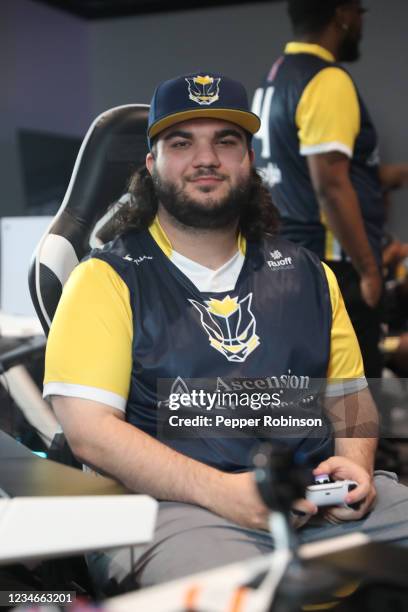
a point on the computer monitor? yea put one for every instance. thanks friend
(19, 236)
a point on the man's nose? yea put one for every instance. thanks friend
(206, 155)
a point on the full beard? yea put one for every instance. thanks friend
(210, 214)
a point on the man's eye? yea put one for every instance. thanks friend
(228, 142)
(180, 144)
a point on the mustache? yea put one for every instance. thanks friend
(205, 172)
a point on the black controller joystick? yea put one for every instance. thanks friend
(282, 479)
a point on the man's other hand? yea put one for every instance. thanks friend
(242, 504)
(240, 501)
(302, 511)
(341, 468)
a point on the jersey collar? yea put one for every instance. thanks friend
(160, 237)
(301, 47)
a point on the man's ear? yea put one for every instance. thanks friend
(342, 17)
(150, 162)
(251, 154)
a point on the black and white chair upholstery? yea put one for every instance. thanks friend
(114, 146)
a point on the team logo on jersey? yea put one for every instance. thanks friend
(203, 89)
(230, 325)
(278, 261)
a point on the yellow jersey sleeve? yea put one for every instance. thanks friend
(346, 371)
(89, 349)
(328, 114)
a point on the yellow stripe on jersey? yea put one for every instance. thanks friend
(328, 114)
(301, 47)
(345, 362)
(90, 341)
(161, 238)
(329, 245)
(242, 244)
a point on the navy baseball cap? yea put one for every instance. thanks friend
(203, 94)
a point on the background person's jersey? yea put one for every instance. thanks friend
(309, 105)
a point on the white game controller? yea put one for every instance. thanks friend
(326, 493)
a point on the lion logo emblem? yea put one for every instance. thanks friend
(203, 89)
(230, 326)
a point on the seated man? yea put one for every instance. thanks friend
(196, 285)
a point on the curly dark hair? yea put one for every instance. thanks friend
(259, 217)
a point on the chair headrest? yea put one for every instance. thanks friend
(113, 148)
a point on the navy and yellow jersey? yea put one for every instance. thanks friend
(129, 316)
(310, 105)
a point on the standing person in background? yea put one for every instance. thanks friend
(317, 150)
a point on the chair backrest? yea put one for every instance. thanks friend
(114, 146)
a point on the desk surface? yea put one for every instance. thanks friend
(43, 500)
(24, 474)
(46, 527)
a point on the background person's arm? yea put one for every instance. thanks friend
(393, 176)
(329, 173)
(328, 121)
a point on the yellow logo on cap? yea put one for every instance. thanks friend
(203, 89)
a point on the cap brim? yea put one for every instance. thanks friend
(245, 119)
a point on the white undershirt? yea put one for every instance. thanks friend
(207, 280)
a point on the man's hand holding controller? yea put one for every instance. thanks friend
(244, 506)
(356, 489)
(331, 493)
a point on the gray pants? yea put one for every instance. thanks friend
(190, 539)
